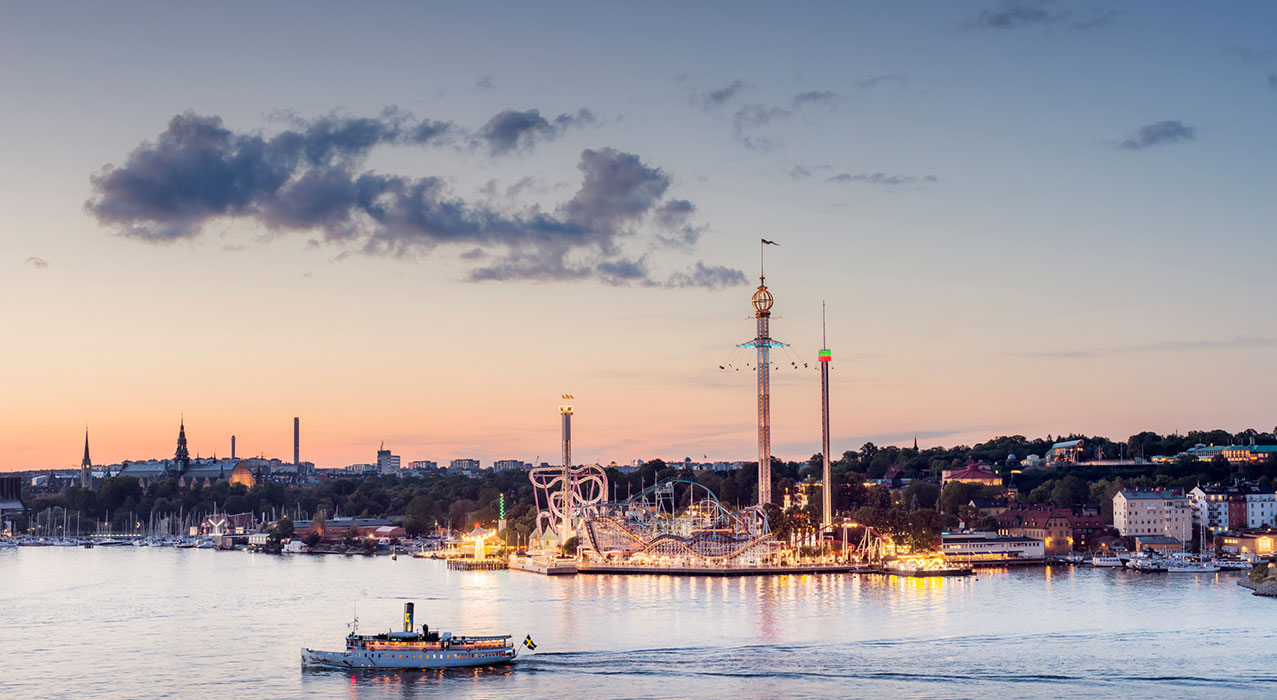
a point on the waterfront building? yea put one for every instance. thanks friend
(1153, 512)
(1235, 507)
(991, 549)
(11, 505)
(1260, 543)
(386, 463)
(972, 472)
(1158, 543)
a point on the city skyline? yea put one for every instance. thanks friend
(1025, 218)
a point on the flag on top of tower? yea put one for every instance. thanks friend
(767, 242)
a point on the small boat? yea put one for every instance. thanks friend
(1227, 564)
(1191, 567)
(1099, 560)
(410, 650)
(1142, 561)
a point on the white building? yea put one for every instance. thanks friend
(464, 464)
(1153, 513)
(386, 462)
(976, 548)
(506, 464)
(423, 464)
(1236, 507)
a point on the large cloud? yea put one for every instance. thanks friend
(308, 179)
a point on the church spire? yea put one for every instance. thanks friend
(86, 464)
(182, 458)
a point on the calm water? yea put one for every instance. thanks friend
(164, 623)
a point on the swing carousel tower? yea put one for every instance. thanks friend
(763, 343)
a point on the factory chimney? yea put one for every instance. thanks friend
(232, 447)
(297, 436)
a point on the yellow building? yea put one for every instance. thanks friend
(241, 474)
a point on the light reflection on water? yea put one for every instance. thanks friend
(148, 622)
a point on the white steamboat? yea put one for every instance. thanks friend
(411, 650)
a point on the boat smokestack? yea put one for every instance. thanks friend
(407, 617)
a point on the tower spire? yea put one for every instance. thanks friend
(762, 302)
(86, 464)
(182, 457)
(824, 357)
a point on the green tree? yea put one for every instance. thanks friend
(921, 495)
(1069, 491)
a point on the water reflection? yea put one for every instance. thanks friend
(231, 624)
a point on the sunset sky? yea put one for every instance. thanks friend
(421, 223)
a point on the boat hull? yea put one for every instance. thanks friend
(406, 660)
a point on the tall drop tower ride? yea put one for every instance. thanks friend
(824, 356)
(763, 342)
(566, 409)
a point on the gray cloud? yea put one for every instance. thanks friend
(513, 130)
(487, 82)
(309, 180)
(751, 117)
(876, 80)
(1018, 14)
(805, 172)
(714, 98)
(1157, 134)
(818, 98)
(883, 179)
(37, 262)
(1251, 55)
(709, 276)
(1272, 81)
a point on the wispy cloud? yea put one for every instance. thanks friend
(883, 179)
(876, 80)
(817, 98)
(1157, 134)
(513, 130)
(486, 82)
(1250, 55)
(749, 118)
(1272, 81)
(1020, 14)
(806, 172)
(37, 262)
(713, 98)
(308, 180)
(1235, 343)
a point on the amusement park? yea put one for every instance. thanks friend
(680, 526)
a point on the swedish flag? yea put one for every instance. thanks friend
(527, 642)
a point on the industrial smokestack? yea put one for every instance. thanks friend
(232, 447)
(297, 436)
(407, 617)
